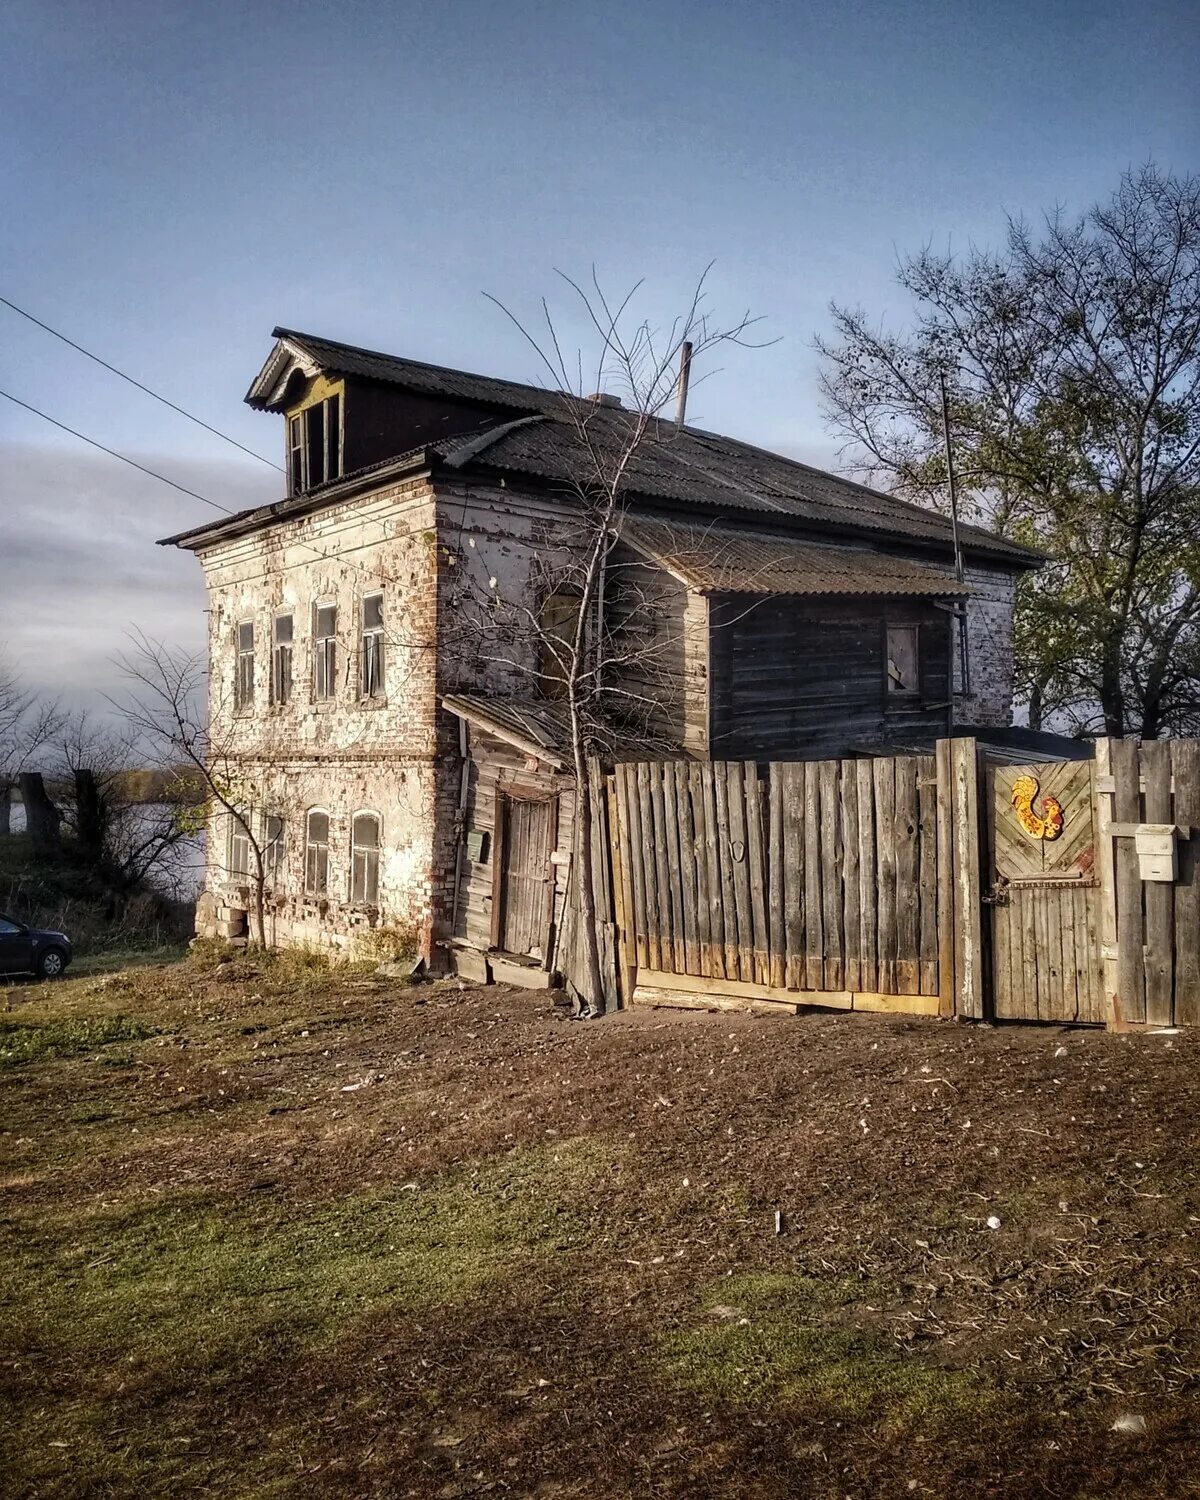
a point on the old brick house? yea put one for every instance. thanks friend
(798, 613)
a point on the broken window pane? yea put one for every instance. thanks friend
(902, 659)
(364, 879)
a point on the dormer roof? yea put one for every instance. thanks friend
(304, 355)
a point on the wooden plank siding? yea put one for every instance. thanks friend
(807, 675)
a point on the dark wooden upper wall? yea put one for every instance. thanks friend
(382, 421)
(794, 677)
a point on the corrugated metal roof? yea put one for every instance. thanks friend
(703, 470)
(718, 558)
(542, 728)
(687, 465)
(412, 374)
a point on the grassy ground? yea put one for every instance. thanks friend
(267, 1231)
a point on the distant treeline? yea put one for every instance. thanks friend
(141, 784)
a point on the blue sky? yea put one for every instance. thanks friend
(176, 179)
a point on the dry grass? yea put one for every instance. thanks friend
(274, 1230)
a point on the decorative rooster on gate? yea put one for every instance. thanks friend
(1050, 824)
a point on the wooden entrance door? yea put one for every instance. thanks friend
(525, 875)
(1045, 894)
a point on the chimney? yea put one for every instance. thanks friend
(685, 372)
(604, 398)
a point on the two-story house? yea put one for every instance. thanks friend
(793, 613)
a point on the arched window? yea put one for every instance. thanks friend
(316, 852)
(364, 864)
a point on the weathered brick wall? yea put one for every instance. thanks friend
(345, 754)
(989, 644)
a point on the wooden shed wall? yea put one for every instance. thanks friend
(796, 675)
(495, 766)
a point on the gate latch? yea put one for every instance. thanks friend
(997, 893)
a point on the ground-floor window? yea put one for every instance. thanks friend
(364, 878)
(316, 853)
(240, 862)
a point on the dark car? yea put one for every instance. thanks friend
(30, 950)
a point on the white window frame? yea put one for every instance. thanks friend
(372, 655)
(239, 826)
(311, 887)
(281, 687)
(324, 653)
(243, 673)
(365, 857)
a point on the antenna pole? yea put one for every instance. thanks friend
(961, 608)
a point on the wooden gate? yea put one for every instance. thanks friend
(834, 881)
(1045, 892)
(524, 875)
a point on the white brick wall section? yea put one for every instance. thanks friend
(990, 648)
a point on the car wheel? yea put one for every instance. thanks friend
(51, 963)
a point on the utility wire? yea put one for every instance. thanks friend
(112, 453)
(138, 384)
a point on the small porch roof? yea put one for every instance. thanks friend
(725, 559)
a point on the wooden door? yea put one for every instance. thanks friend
(525, 875)
(1045, 894)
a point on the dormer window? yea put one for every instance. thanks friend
(314, 438)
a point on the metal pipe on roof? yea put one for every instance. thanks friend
(685, 374)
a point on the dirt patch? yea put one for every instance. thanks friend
(319, 1233)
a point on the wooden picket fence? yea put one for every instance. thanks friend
(900, 883)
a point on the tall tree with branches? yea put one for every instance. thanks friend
(166, 709)
(1072, 365)
(605, 450)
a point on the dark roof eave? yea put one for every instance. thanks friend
(247, 521)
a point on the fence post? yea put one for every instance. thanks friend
(960, 760)
(1106, 865)
(947, 986)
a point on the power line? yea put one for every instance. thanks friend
(112, 453)
(103, 362)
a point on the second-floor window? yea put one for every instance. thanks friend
(281, 660)
(324, 650)
(314, 441)
(371, 663)
(243, 682)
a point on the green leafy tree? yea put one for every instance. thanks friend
(1072, 368)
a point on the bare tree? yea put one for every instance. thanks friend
(27, 723)
(605, 449)
(166, 709)
(130, 831)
